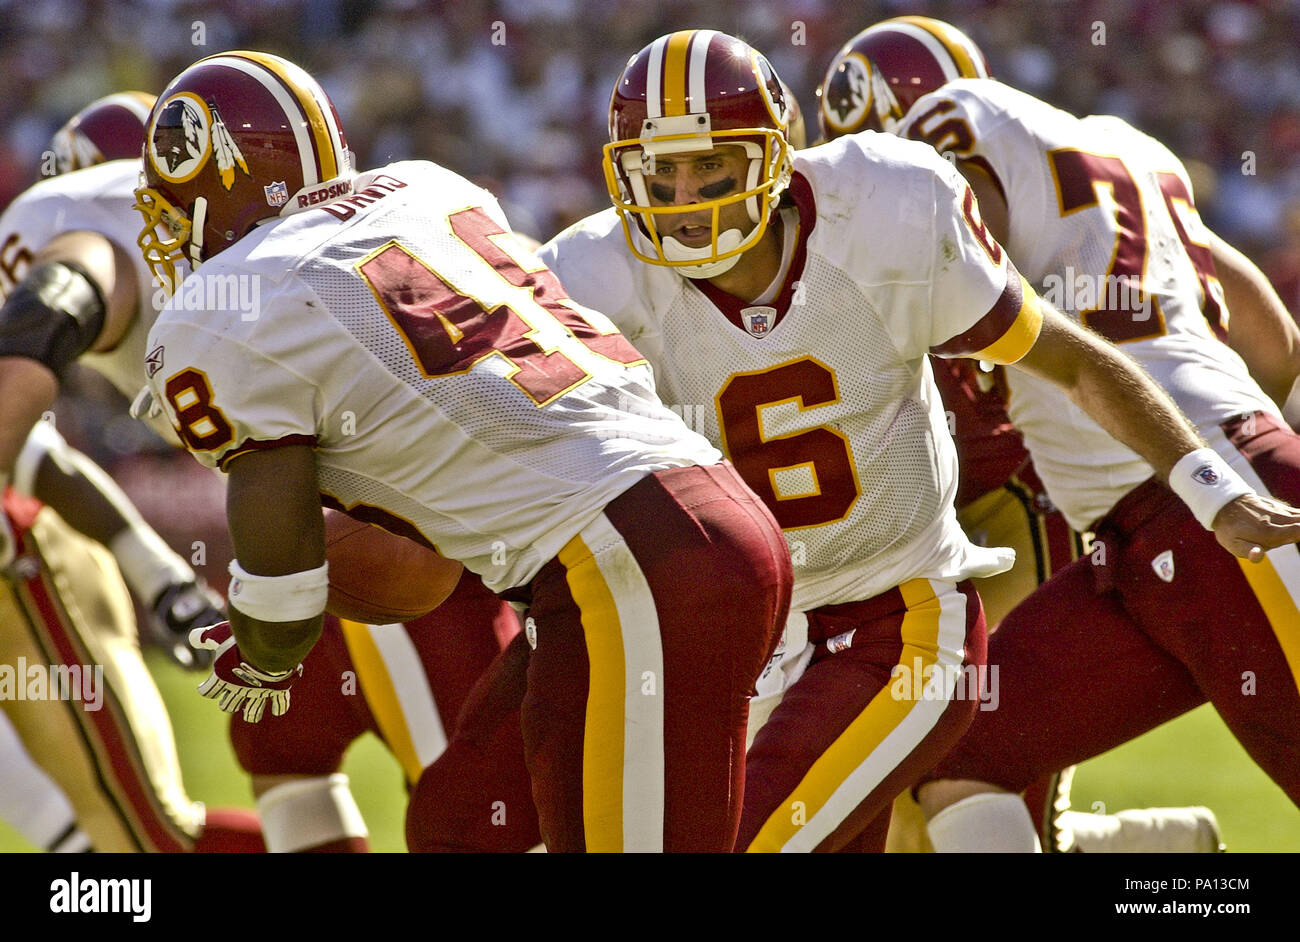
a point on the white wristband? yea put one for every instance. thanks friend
(1206, 484)
(295, 597)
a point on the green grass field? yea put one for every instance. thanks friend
(1191, 761)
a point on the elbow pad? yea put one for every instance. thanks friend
(53, 316)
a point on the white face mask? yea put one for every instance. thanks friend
(727, 241)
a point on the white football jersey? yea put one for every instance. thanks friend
(96, 199)
(1102, 222)
(428, 358)
(824, 399)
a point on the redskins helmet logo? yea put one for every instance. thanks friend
(73, 150)
(772, 91)
(185, 134)
(180, 139)
(848, 93)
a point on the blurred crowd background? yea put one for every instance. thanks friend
(514, 93)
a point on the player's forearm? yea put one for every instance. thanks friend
(274, 646)
(85, 497)
(27, 391)
(280, 585)
(1135, 410)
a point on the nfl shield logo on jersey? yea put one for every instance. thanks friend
(1164, 565)
(758, 320)
(277, 194)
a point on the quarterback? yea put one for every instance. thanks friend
(1101, 217)
(791, 303)
(411, 364)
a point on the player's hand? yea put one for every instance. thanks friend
(1251, 525)
(236, 684)
(178, 610)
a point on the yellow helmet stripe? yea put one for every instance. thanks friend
(675, 72)
(243, 62)
(954, 41)
(309, 96)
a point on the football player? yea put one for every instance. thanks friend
(789, 303)
(410, 363)
(80, 225)
(1000, 499)
(1101, 217)
(66, 606)
(61, 281)
(107, 743)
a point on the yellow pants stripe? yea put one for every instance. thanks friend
(1275, 580)
(1279, 606)
(381, 696)
(880, 737)
(602, 747)
(623, 737)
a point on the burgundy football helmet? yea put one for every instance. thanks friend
(797, 133)
(234, 139)
(695, 90)
(881, 72)
(109, 128)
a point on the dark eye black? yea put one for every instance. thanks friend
(711, 191)
(662, 192)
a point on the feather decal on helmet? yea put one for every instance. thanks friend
(225, 151)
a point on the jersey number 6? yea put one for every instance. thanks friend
(820, 455)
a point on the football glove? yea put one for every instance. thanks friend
(176, 612)
(236, 684)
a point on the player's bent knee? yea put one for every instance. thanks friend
(309, 814)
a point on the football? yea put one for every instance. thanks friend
(377, 577)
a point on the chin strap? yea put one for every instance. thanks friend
(195, 247)
(675, 251)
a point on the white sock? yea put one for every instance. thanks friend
(1144, 831)
(990, 822)
(31, 802)
(308, 813)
